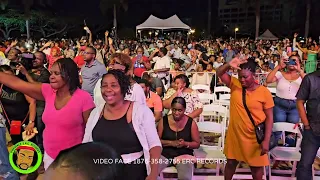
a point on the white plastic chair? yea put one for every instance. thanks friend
(221, 89)
(215, 110)
(224, 97)
(205, 98)
(211, 152)
(281, 153)
(206, 88)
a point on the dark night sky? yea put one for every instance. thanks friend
(139, 10)
(192, 12)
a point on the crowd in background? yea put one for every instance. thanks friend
(74, 91)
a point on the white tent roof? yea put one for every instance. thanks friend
(151, 23)
(267, 35)
(174, 22)
(155, 23)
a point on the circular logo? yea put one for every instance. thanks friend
(25, 157)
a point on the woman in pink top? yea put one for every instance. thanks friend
(67, 106)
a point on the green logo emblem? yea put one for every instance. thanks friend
(25, 157)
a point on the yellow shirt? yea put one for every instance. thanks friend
(2, 55)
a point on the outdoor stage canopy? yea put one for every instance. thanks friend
(172, 22)
(267, 35)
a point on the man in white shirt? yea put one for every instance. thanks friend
(176, 52)
(162, 64)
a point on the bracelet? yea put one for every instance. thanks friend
(30, 122)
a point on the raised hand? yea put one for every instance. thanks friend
(87, 29)
(236, 62)
(14, 43)
(282, 63)
(110, 41)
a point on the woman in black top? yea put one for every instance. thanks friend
(116, 127)
(16, 106)
(179, 135)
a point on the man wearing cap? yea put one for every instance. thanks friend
(25, 155)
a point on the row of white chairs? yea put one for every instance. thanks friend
(279, 153)
(224, 93)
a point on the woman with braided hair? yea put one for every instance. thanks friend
(241, 141)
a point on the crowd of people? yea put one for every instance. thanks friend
(73, 97)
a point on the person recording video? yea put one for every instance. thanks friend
(37, 74)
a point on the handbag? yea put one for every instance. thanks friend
(260, 128)
(15, 125)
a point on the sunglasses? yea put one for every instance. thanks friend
(118, 66)
(88, 53)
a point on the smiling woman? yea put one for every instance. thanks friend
(123, 63)
(138, 141)
(62, 96)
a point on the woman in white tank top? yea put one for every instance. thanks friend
(288, 76)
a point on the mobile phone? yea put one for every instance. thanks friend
(289, 50)
(291, 62)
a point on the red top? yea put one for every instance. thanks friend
(79, 60)
(139, 68)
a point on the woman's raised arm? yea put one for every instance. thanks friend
(29, 89)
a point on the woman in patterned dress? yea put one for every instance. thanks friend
(194, 106)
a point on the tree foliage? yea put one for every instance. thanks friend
(48, 24)
(11, 20)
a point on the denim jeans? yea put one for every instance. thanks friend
(40, 128)
(6, 171)
(309, 148)
(285, 111)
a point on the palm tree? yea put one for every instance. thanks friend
(256, 4)
(209, 17)
(307, 24)
(27, 4)
(257, 10)
(105, 5)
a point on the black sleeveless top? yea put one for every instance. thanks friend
(169, 134)
(15, 104)
(118, 134)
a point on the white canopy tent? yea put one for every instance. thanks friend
(172, 22)
(267, 35)
(151, 23)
